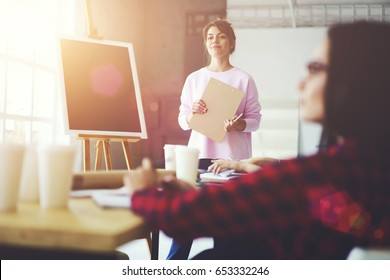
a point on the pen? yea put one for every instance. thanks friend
(236, 118)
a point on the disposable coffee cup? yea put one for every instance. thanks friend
(170, 159)
(11, 162)
(187, 159)
(55, 172)
(29, 184)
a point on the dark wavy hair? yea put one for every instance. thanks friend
(225, 27)
(357, 97)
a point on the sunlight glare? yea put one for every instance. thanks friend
(28, 65)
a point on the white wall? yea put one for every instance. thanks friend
(276, 59)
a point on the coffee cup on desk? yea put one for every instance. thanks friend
(11, 161)
(29, 185)
(169, 154)
(55, 170)
(187, 159)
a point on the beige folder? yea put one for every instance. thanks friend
(222, 101)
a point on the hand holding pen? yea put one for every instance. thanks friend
(235, 124)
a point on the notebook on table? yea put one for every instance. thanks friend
(220, 177)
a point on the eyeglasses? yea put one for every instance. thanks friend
(314, 67)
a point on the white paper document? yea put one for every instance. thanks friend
(111, 198)
(220, 177)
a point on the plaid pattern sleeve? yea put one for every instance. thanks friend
(296, 198)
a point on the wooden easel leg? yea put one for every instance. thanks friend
(99, 154)
(107, 154)
(127, 152)
(87, 154)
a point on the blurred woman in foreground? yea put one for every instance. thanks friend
(315, 207)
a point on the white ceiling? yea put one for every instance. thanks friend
(330, 2)
(303, 2)
(272, 13)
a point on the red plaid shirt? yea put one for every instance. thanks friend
(319, 206)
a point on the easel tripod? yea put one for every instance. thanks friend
(103, 149)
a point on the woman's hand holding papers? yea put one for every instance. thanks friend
(198, 107)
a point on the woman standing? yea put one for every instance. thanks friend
(220, 42)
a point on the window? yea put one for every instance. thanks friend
(29, 94)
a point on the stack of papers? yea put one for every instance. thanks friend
(220, 177)
(111, 198)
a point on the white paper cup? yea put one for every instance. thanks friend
(11, 162)
(29, 184)
(187, 159)
(55, 170)
(169, 154)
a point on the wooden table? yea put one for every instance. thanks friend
(82, 229)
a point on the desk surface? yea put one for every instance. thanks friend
(82, 226)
